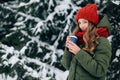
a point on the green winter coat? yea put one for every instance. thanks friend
(82, 66)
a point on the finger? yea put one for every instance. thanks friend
(72, 43)
(71, 51)
(70, 47)
(67, 45)
(68, 38)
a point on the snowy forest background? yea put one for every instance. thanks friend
(33, 33)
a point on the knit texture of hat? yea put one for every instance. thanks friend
(89, 13)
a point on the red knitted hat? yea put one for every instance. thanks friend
(89, 13)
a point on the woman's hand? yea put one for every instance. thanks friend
(72, 46)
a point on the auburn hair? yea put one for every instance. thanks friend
(90, 37)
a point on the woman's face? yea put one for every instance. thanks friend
(83, 24)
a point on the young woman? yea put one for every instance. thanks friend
(89, 58)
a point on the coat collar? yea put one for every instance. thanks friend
(104, 23)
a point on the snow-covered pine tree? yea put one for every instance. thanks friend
(113, 10)
(32, 38)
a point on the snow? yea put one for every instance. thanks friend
(118, 53)
(110, 38)
(39, 28)
(61, 75)
(117, 2)
(23, 4)
(30, 72)
(13, 60)
(3, 77)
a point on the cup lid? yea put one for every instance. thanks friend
(73, 36)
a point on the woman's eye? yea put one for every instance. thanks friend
(84, 22)
(79, 23)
